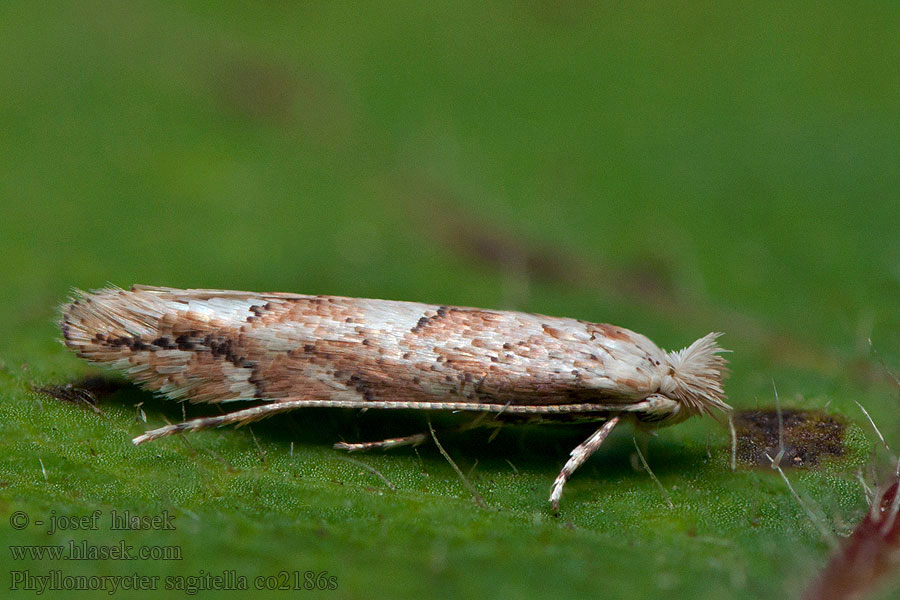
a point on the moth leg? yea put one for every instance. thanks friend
(577, 458)
(409, 440)
(240, 417)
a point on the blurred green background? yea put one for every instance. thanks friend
(674, 169)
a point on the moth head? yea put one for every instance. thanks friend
(695, 377)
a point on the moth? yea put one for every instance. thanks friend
(291, 351)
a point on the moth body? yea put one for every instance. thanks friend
(291, 351)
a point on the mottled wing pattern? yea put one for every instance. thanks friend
(215, 345)
(301, 351)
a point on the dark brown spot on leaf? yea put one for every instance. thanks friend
(808, 436)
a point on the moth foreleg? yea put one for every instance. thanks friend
(577, 458)
(409, 440)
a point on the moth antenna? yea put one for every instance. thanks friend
(696, 375)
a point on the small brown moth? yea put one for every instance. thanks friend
(296, 351)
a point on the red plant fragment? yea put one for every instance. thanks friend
(871, 553)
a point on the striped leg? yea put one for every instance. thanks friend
(481, 420)
(577, 458)
(408, 440)
(238, 417)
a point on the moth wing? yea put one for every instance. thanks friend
(205, 294)
(178, 342)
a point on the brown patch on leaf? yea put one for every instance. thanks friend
(808, 436)
(257, 90)
(86, 391)
(501, 249)
(649, 279)
(871, 553)
(272, 93)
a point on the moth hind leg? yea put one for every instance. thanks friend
(408, 440)
(411, 440)
(578, 456)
